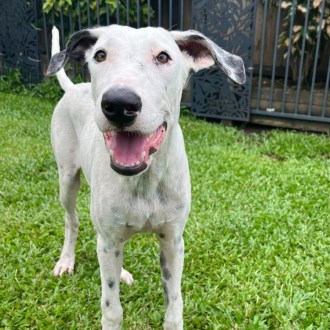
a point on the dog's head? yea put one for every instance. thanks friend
(137, 78)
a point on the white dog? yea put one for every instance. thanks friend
(122, 130)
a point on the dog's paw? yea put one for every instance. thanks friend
(64, 265)
(126, 277)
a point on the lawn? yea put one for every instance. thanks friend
(257, 240)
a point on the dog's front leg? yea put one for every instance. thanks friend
(110, 256)
(171, 261)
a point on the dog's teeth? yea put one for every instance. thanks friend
(142, 156)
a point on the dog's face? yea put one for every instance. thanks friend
(137, 77)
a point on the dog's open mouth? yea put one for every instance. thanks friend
(130, 151)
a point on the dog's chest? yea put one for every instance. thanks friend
(126, 213)
(146, 212)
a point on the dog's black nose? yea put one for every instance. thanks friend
(121, 106)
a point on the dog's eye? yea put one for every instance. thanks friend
(163, 58)
(100, 56)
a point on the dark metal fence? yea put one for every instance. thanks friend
(285, 46)
(230, 24)
(292, 61)
(19, 39)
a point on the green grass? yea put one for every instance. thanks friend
(257, 240)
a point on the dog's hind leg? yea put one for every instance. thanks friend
(66, 149)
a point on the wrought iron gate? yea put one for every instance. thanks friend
(230, 24)
(19, 44)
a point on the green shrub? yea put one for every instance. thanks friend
(98, 10)
(49, 88)
(12, 82)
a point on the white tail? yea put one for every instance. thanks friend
(62, 78)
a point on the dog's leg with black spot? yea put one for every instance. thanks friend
(64, 142)
(110, 256)
(69, 186)
(171, 261)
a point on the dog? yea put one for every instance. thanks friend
(122, 130)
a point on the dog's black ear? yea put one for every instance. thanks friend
(56, 63)
(75, 49)
(203, 53)
(79, 43)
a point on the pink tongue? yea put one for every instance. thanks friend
(128, 147)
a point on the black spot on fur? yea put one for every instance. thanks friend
(161, 235)
(107, 303)
(162, 196)
(114, 210)
(166, 273)
(177, 240)
(180, 206)
(117, 253)
(152, 216)
(111, 284)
